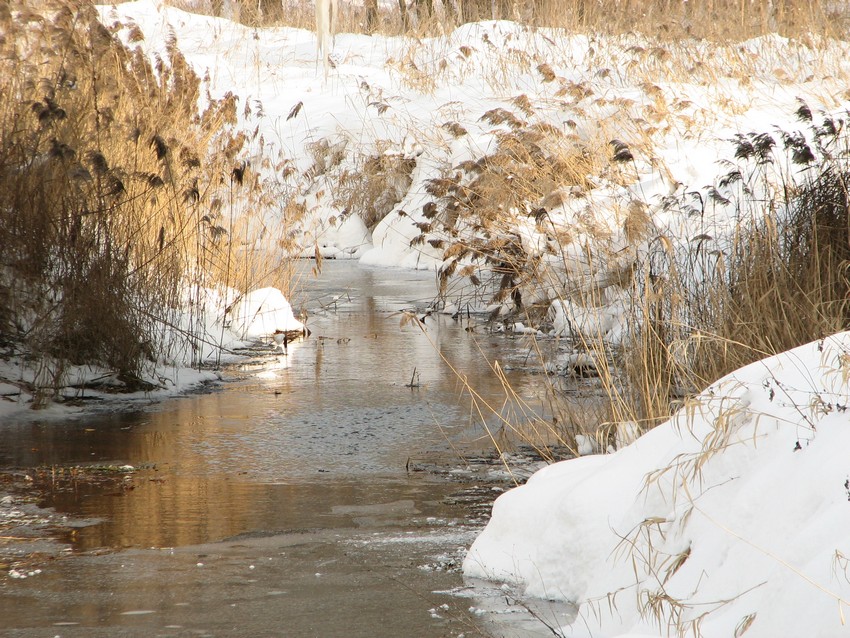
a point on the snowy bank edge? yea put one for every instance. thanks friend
(253, 318)
(738, 501)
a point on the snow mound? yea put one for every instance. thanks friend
(261, 312)
(589, 324)
(730, 517)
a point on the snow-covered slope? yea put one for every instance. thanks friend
(355, 157)
(733, 513)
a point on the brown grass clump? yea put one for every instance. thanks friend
(779, 281)
(476, 206)
(373, 189)
(113, 189)
(787, 281)
(696, 310)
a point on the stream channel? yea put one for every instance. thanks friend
(312, 493)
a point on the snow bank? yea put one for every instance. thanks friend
(357, 158)
(732, 514)
(204, 333)
(262, 312)
(589, 324)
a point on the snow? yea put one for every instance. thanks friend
(588, 323)
(361, 146)
(746, 484)
(220, 321)
(261, 312)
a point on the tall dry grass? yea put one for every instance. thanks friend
(695, 310)
(781, 279)
(116, 194)
(719, 20)
(777, 281)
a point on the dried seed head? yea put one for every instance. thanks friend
(546, 71)
(135, 34)
(98, 162)
(804, 113)
(622, 153)
(61, 151)
(159, 146)
(189, 159)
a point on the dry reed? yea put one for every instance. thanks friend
(116, 194)
(717, 20)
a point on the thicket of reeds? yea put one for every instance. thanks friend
(780, 279)
(117, 195)
(773, 275)
(714, 19)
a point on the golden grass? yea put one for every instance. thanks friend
(695, 314)
(116, 193)
(716, 20)
(377, 182)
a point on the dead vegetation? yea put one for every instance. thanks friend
(719, 20)
(473, 215)
(378, 182)
(116, 193)
(781, 279)
(771, 277)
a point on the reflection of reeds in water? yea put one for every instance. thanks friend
(113, 193)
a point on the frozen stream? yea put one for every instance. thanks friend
(282, 504)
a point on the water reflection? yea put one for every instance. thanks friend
(176, 513)
(331, 423)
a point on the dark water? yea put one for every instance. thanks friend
(292, 477)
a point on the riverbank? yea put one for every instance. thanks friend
(728, 518)
(222, 336)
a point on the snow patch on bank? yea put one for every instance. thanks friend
(261, 312)
(198, 338)
(737, 507)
